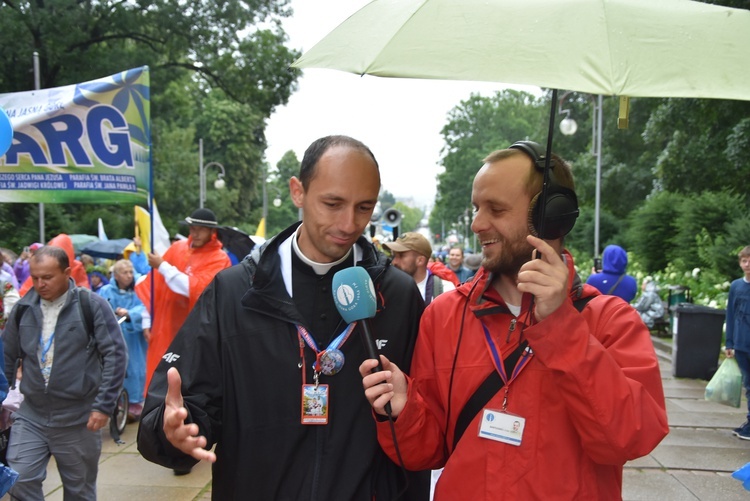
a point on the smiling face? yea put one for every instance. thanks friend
(501, 203)
(337, 203)
(455, 258)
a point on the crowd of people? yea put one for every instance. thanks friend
(515, 380)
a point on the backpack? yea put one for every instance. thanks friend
(84, 303)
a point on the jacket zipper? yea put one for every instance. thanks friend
(510, 330)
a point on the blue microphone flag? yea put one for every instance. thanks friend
(354, 294)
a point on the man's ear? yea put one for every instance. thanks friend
(297, 191)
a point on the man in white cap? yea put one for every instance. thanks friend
(411, 253)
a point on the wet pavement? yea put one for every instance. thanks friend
(694, 462)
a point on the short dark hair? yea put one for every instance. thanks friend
(319, 147)
(55, 253)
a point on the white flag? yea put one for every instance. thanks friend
(102, 235)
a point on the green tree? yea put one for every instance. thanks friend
(387, 200)
(698, 141)
(286, 213)
(652, 228)
(218, 70)
(410, 217)
(475, 128)
(704, 216)
(234, 45)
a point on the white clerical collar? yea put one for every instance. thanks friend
(285, 252)
(318, 268)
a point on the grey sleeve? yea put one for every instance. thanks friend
(113, 354)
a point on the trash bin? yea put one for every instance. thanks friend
(696, 340)
(676, 294)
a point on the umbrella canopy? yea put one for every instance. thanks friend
(107, 249)
(635, 48)
(80, 239)
(235, 241)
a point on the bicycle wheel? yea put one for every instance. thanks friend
(120, 416)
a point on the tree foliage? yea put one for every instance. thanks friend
(410, 217)
(218, 70)
(699, 141)
(278, 188)
(475, 128)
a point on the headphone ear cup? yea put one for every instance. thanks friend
(533, 215)
(560, 215)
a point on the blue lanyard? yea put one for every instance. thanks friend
(522, 362)
(45, 349)
(333, 345)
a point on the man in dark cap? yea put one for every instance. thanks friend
(180, 276)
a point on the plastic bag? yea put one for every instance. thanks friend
(726, 385)
(743, 474)
(8, 477)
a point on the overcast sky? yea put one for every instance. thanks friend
(399, 119)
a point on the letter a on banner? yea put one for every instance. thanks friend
(83, 143)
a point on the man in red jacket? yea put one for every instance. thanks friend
(574, 389)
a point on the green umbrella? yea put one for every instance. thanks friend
(629, 48)
(635, 48)
(80, 239)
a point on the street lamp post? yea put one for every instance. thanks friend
(466, 228)
(276, 201)
(218, 184)
(568, 127)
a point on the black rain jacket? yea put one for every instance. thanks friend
(238, 354)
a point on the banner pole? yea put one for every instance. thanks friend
(37, 86)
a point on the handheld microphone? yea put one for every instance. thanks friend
(354, 297)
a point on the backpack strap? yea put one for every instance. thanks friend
(493, 383)
(429, 289)
(616, 284)
(84, 302)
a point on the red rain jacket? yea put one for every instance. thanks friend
(591, 396)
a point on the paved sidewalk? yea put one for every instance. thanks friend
(125, 476)
(696, 459)
(693, 462)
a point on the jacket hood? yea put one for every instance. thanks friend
(614, 260)
(64, 242)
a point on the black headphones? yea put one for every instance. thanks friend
(560, 209)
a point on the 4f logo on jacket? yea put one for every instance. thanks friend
(170, 357)
(381, 343)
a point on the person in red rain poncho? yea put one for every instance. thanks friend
(77, 271)
(180, 275)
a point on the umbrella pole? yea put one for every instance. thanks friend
(547, 160)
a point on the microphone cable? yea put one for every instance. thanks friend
(401, 464)
(453, 366)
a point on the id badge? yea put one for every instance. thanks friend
(314, 404)
(501, 427)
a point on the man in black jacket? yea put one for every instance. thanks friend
(242, 371)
